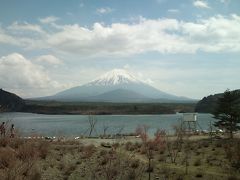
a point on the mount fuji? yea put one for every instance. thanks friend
(117, 85)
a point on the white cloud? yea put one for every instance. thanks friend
(105, 10)
(25, 35)
(7, 39)
(120, 39)
(214, 34)
(201, 4)
(48, 20)
(49, 60)
(16, 26)
(23, 77)
(149, 81)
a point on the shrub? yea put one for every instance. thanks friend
(103, 161)
(180, 177)
(197, 162)
(197, 153)
(205, 144)
(143, 150)
(115, 145)
(43, 149)
(131, 174)
(233, 177)
(199, 175)
(16, 143)
(134, 164)
(4, 142)
(69, 169)
(7, 158)
(129, 146)
(162, 151)
(26, 151)
(162, 159)
(137, 145)
(149, 169)
(88, 151)
(33, 173)
(218, 144)
(103, 152)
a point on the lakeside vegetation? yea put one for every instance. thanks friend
(53, 107)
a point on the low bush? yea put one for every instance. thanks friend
(134, 164)
(205, 144)
(43, 149)
(16, 143)
(4, 142)
(129, 146)
(219, 144)
(199, 175)
(7, 157)
(197, 162)
(88, 151)
(27, 151)
(18, 159)
(162, 158)
(233, 177)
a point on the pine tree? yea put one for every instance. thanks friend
(227, 112)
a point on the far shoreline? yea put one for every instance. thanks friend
(103, 114)
(102, 108)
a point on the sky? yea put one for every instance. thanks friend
(184, 47)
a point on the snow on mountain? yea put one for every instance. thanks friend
(114, 77)
(116, 85)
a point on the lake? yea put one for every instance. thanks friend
(76, 125)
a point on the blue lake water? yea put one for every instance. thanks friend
(76, 125)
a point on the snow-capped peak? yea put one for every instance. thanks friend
(114, 77)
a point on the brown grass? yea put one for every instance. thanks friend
(18, 158)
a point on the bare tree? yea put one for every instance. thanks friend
(211, 130)
(92, 122)
(105, 128)
(174, 146)
(142, 132)
(151, 144)
(187, 152)
(119, 132)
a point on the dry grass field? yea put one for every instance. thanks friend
(157, 158)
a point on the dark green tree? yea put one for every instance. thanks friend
(227, 112)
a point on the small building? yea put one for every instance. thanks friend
(189, 123)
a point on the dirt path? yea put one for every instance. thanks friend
(97, 141)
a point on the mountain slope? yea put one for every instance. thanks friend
(119, 95)
(10, 101)
(113, 80)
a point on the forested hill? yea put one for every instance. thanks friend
(10, 101)
(209, 103)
